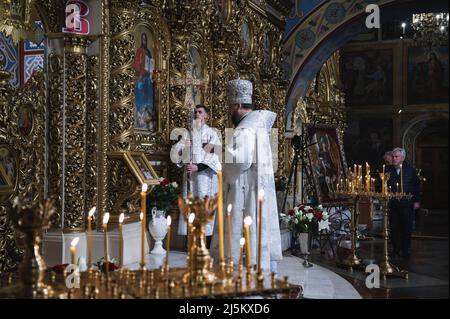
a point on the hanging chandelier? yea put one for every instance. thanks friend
(16, 18)
(430, 29)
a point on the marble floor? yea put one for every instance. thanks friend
(428, 265)
(317, 282)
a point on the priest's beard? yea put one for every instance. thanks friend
(235, 118)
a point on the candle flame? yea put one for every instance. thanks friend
(230, 206)
(191, 218)
(219, 167)
(75, 241)
(106, 218)
(144, 188)
(141, 216)
(169, 221)
(92, 211)
(261, 194)
(242, 241)
(121, 218)
(248, 221)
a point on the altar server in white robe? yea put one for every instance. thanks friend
(200, 165)
(247, 170)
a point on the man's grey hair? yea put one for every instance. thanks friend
(388, 153)
(401, 150)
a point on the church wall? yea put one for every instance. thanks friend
(394, 100)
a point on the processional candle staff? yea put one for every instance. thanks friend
(105, 234)
(230, 247)
(247, 223)
(143, 221)
(89, 239)
(169, 222)
(220, 211)
(260, 202)
(73, 250)
(121, 219)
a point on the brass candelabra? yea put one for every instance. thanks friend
(31, 219)
(356, 191)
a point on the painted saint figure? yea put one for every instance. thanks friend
(144, 65)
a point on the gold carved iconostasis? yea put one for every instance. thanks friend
(121, 90)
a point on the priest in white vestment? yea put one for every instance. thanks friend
(200, 163)
(248, 169)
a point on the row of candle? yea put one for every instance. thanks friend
(356, 183)
(75, 241)
(247, 223)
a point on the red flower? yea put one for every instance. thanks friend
(291, 212)
(60, 268)
(165, 182)
(301, 207)
(318, 215)
(111, 266)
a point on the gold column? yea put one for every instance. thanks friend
(74, 132)
(103, 120)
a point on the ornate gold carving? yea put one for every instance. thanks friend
(30, 149)
(55, 115)
(325, 102)
(92, 132)
(122, 47)
(74, 134)
(103, 120)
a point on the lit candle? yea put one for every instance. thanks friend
(247, 223)
(90, 217)
(401, 177)
(143, 221)
(73, 250)
(141, 217)
(230, 247)
(360, 177)
(121, 218)
(404, 27)
(397, 187)
(105, 234)
(190, 237)
(241, 255)
(169, 222)
(260, 202)
(220, 211)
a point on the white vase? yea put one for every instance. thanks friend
(303, 239)
(158, 229)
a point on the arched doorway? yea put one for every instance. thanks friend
(431, 156)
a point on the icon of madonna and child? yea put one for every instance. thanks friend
(144, 90)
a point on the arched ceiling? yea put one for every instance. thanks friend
(322, 27)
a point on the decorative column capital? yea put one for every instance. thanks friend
(76, 43)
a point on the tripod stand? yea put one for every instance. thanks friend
(299, 143)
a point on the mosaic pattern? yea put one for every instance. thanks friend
(9, 57)
(32, 63)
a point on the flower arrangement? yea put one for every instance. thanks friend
(112, 265)
(306, 219)
(281, 184)
(163, 196)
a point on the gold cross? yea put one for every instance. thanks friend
(190, 83)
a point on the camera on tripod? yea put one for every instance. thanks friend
(297, 142)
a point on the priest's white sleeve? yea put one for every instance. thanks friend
(240, 153)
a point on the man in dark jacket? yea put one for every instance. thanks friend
(401, 212)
